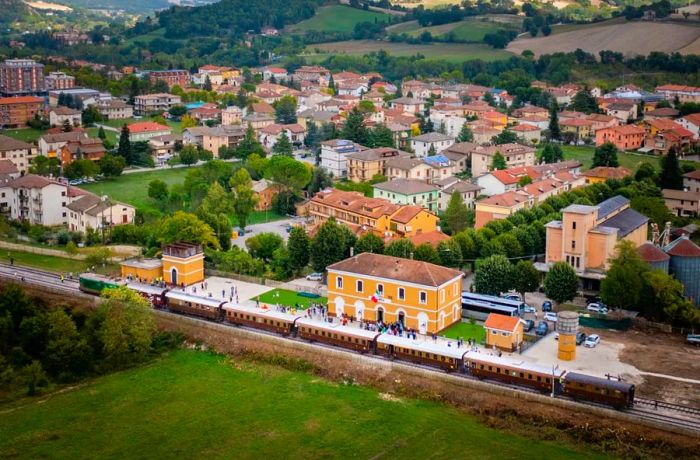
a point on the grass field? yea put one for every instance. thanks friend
(25, 134)
(337, 18)
(465, 330)
(466, 31)
(192, 404)
(51, 263)
(111, 135)
(259, 217)
(627, 160)
(289, 298)
(455, 52)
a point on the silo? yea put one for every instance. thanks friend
(567, 326)
(685, 266)
(654, 256)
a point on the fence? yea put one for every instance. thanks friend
(602, 323)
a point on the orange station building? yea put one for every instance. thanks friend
(182, 264)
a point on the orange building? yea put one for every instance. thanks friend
(627, 137)
(266, 192)
(143, 270)
(603, 173)
(183, 264)
(504, 332)
(374, 287)
(15, 112)
(501, 206)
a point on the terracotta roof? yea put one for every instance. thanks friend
(504, 177)
(683, 247)
(21, 100)
(406, 213)
(378, 154)
(406, 186)
(525, 127)
(663, 112)
(9, 143)
(462, 148)
(507, 199)
(607, 172)
(693, 174)
(397, 269)
(432, 238)
(693, 118)
(261, 107)
(501, 322)
(146, 126)
(491, 150)
(576, 122)
(31, 181)
(355, 202)
(651, 253)
(680, 195)
(84, 203)
(8, 167)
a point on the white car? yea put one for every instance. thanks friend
(551, 316)
(315, 277)
(529, 309)
(597, 308)
(591, 341)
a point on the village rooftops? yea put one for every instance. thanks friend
(378, 154)
(147, 127)
(607, 172)
(9, 143)
(432, 137)
(406, 186)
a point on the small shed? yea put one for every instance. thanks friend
(504, 332)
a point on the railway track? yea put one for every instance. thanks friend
(669, 414)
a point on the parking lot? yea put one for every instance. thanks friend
(279, 227)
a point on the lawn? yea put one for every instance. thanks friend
(259, 217)
(455, 52)
(337, 18)
(289, 298)
(51, 263)
(133, 188)
(111, 135)
(465, 330)
(25, 134)
(192, 404)
(627, 160)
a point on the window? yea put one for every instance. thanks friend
(402, 293)
(360, 286)
(573, 244)
(573, 225)
(494, 332)
(442, 295)
(423, 297)
(339, 282)
(380, 289)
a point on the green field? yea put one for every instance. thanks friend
(627, 160)
(111, 135)
(337, 18)
(454, 52)
(289, 298)
(469, 30)
(466, 331)
(25, 134)
(50, 263)
(192, 404)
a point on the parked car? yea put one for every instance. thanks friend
(315, 277)
(580, 338)
(551, 316)
(546, 306)
(597, 308)
(511, 296)
(591, 341)
(75, 182)
(528, 309)
(529, 324)
(542, 328)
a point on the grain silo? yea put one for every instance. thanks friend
(567, 326)
(685, 266)
(654, 256)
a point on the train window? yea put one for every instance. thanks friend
(482, 367)
(522, 375)
(539, 379)
(498, 370)
(547, 380)
(490, 368)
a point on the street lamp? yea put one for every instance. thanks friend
(554, 368)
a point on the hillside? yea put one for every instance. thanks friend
(629, 38)
(337, 18)
(472, 29)
(13, 10)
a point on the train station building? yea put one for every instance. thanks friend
(182, 264)
(374, 287)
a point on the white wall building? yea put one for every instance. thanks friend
(333, 155)
(421, 144)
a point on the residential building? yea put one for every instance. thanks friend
(623, 111)
(452, 185)
(114, 109)
(170, 77)
(266, 191)
(516, 155)
(294, 132)
(231, 115)
(19, 153)
(84, 148)
(662, 142)
(682, 203)
(194, 135)
(527, 133)
(578, 129)
(258, 121)
(627, 137)
(364, 165)
(379, 288)
(8, 172)
(222, 136)
(58, 81)
(58, 116)
(666, 113)
(601, 121)
(164, 147)
(586, 236)
(15, 112)
(276, 73)
(501, 181)
(461, 154)
(150, 103)
(408, 105)
(691, 181)
(333, 156)
(97, 213)
(19, 77)
(430, 144)
(38, 200)
(50, 145)
(498, 181)
(501, 206)
(428, 169)
(603, 173)
(408, 191)
(315, 74)
(145, 130)
(504, 332)
(682, 92)
(691, 123)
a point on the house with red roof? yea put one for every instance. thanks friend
(627, 137)
(15, 112)
(501, 206)
(145, 130)
(504, 332)
(691, 123)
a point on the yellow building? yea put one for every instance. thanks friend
(183, 264)
(504, 332)
(364, 165)
(374, 287)
(144, 270)
(603, 173)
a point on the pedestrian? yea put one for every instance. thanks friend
(223, 293)
(12, 260)
(62, 278)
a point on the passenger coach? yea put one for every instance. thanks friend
(274, 321)
(205, 307)
(335, 334)
(430, 354)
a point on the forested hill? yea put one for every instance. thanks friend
(234, 17)
(12, 10)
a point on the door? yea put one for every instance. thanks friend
(380, 314)
(173, 276)
(402, 317)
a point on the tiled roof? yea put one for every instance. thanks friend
(507, 199)
(501, 322)
(406, 213)
(607, 172)
(355, 202)
(680, 195)
(504, 177)
(432, 137)
(146, 127)
(432, 238)
(524, 128)
(9, 143)
(8, 167)
(397, 269)
(21, 100)
(378, 154)
(693, 174)
(31, 181)
(651, 253)
(406, 186)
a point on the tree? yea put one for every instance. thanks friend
(526, 278)
(244, 198)
(320, 180)
(101, 134)
(456, 214)
(561, 282)
(671, 175)
(124, 149)
(498, 162)
(645, 170)
(623, 284)
(290, 174)
(45, 166)
(128, 327)
(249, 145)
(263, 245)
(90, 116)
(552, 153)
(400, 248)
(189, 155)
(187, 228)
(554, 130)
(207, 84)
(505, 137)
(177, 110)
(584, 102)
(605, 155)
(381, 136)
(112, 165)
(81, 168)
(330, 245)
(67, 127)
(450, 253)
(187, 122)
(283, 146)
(298, 247)
(217, 200)
(370, 242)
(354, 128)
(286, 110)
(493, 275)
(426, 253)
(465, 134)
(525, 180)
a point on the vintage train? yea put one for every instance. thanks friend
(425, 352)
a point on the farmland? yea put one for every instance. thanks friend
(469, 30)
(337, 18)
(192, 404)
(455, 52)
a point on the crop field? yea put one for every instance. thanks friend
(337, 18)
(629, 38)
(469, 30)
(455, 52)
(192, 404)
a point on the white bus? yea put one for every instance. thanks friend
(478, 306)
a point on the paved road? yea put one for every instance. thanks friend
(279, 227)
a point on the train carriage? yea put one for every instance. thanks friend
(204, 307)
(610, 392)
(484, 366)
(450, 359)
(335, 334)
(274, 321)
(93, 283)
(154, 294)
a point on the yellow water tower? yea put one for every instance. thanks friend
(567, 326)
